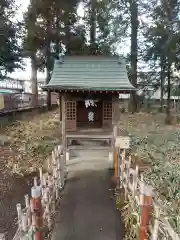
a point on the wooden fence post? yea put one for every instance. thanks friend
(156, 223)
(122, 169)
(37, 212)
(146, 208)
(116, 163)
(62, 170)
(28, 210)
(19, 211)
(135, 181)
(113, 144)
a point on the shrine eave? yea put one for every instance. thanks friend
(61, 89)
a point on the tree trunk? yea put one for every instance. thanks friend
(34, 80)
(93, 23)
(162, 84)
(134, 52)
(168, 108)
(48, 77)
(58, 32)
(48, 64)
(93, 47)
(68, 39)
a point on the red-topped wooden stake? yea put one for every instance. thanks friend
(146, 209)
(37, 212)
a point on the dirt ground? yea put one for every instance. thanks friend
(23, 147)
(12, 191)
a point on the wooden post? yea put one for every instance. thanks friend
(28, 210)
(37, 212)
(60, 107)
(116, 163)
(122, 168)
(113, 144)
(135, 181)
(156, 223)
(63, 130)
(62, 159)
(146, 208)
(19, 214)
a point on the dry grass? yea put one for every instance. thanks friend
(31, 141)
(158, 145)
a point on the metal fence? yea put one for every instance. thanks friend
(18, 101)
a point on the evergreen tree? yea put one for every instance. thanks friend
(134, 50)
(163, 43)
(48, 23)
(125, 24)
(97, 22)
(10, 32)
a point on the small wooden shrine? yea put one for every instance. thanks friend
(89, 88)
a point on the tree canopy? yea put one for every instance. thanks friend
(10, 33)
(53, 27)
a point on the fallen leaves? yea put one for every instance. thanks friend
(31, 142)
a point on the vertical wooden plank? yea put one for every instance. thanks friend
(114, 123)
(116, 163)
(156, 223)
(116, 110)
(60, 108)
(63, 125)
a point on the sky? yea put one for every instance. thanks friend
(26, 73)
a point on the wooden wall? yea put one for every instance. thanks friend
(109, 109)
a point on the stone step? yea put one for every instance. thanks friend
(90, 142)
(99, 148)
(89, 153)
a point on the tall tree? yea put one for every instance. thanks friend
(134, 50)
(10, 33)
(97, 22)
(49, 23)
(125, 24)
(163, 43)
(32, 43)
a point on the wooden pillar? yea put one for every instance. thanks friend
(115, 120)
(60, 108)
(63, 125)
(116, 163)
(116, 110)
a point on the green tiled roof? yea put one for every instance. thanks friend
(89, 73)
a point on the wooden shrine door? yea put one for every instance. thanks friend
(71, 115)
(83, 112)
(107, 114)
